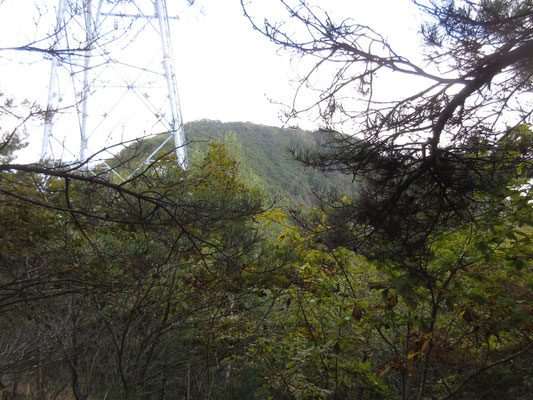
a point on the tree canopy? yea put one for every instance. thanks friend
(423, 155)
(443, 163)
(416, 284)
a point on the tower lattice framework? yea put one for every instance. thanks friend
(112, 80)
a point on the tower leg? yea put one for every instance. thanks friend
(176, 121)
(53, 95)
(89, 38)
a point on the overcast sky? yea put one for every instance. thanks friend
(225, 70)
(229, 72)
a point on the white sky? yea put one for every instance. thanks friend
(229, 72)
(225, 70)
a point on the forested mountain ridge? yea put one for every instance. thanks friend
(262, 155)
(181, 283)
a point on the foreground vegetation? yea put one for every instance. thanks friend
(172, 286)
(190, 284)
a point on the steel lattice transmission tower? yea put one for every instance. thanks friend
(112, 80)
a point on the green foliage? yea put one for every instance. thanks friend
(344, 326)
(179, 284)
(261, 152)
(166, 285)
(121, 290)
(315, 344)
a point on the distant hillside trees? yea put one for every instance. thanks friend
(263, 155)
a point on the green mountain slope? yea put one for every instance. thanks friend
(261, 152)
